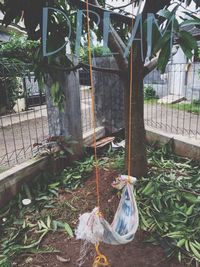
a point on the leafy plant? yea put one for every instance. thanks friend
(97, 51)
(17, 221)
(56, 146)
(196, 102)
(118, 162)
(149, 93)
(10, 91)
(168, 202)
(72, 177)
(14, 54)
(18, 48)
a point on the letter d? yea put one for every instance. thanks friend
(45, 31)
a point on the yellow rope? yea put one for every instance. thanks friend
(100, 259)
(93, 107)
(130, 105)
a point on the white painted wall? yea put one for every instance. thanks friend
(177, 74)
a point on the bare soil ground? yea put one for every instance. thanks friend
(135, 254)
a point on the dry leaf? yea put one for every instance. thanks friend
(61, 259)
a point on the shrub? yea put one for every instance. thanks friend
(149, 93)
(97, 51)
(196, 102)
(10, 91)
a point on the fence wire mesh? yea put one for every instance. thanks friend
(172, 100)
(86, 100)
(172, 104)
(23, 115)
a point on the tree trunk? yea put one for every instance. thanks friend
(135, 144)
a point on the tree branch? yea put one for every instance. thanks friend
(84, 66)
(100, 11)
(151, 65)
(155, 6)
(123, 6)
(115, 43)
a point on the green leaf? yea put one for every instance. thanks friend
(181, 242)
(188, 40)
(34, 244)
(54, 185)
(194, 250)
(68, 230)
(165, 13)
(5, 262)
(149, 188)
(43, 225)
(191, 198)
(191, 22)
(190, 210)
(49, 222)
(164, 57)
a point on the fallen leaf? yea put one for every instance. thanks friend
(28, 260)
(61, 259)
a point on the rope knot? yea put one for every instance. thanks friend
(100, 259)
(99, 213)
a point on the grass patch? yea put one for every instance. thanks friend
(150, 96)
(151, 101)
(188, 107)
(193, 107)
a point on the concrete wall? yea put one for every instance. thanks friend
(182, 146)
(181, 79)
(176, 79)
(109, 96)
(67, 122)
(11, 180)
(193, 81)
(176, 75)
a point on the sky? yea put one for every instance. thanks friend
(117, 3)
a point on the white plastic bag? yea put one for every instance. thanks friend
(94, 228)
